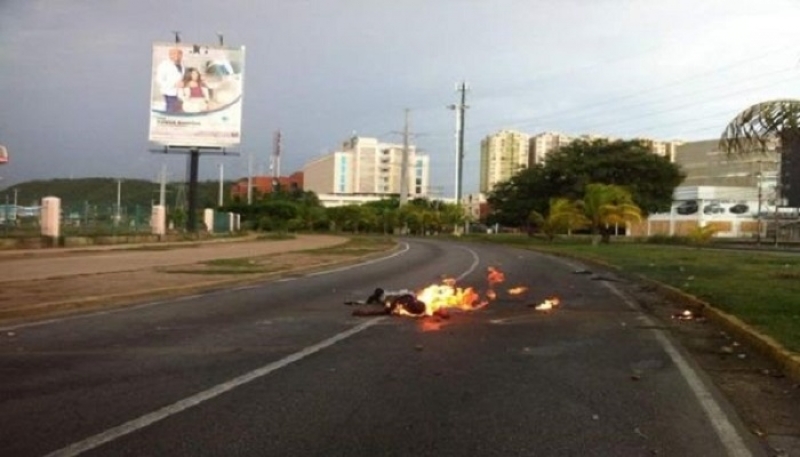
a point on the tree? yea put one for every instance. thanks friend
(605, 205)
(650, 179)
(512, 201)
(566, 215)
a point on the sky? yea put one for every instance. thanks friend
(75, 75)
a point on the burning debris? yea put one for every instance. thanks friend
(517, 290)
(686, 315)
(548, 304)
(435, 300)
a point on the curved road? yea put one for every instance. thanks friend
(282, 368)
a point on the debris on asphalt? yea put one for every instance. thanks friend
(419, 347)
(726, 350)
(639, 432)
(11, 334)
(581, 272)
(604, 278)
(595, 417)
(742, 356)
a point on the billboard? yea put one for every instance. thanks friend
(196, 95)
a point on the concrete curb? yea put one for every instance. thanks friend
(61, 307)
(766, 345)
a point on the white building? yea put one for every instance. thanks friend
(367, 167)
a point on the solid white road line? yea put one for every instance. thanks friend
(405, 249)
(719, 420)
(475, 261)
(182, 405)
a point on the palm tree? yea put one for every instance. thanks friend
(567, 215)
(607, 204)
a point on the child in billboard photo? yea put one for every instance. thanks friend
(195, 92)
(169, 77)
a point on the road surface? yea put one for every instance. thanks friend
(283, 368)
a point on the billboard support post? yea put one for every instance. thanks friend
(194, 167)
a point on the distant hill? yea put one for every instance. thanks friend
(102, 192)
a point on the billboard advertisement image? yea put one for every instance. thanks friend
(196, 95)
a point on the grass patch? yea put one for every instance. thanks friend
(761, 288)
(151, 248)
(226, 267)
(231, 267)
(275, 236)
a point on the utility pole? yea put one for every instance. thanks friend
(758, 214)
(777, 202)
(250, 178)
(275, 164)
(162, 196)
(119, 202)
(460, 109)
(221, 181)
(404, 165)
(16, 208)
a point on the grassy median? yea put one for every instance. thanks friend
(761, 288)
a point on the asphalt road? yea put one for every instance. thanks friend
(282, 368)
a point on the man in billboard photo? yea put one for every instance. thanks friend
(169, 76)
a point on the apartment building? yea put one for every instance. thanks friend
(544, 143)
(666, 149)
(503, 155)
(365, 166)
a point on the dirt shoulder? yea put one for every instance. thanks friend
(82, 282)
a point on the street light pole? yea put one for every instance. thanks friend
(758, 214)
(221, 196)
(119, 202)
(16, 208)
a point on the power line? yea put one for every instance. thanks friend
(687, 105)
(594, 107)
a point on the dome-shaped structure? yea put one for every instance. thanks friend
(763, 127)
(770, 126)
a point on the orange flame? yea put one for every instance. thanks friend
(548, 304)
(517, 290)
(438, 298)
(495, 276)
(444, 296)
